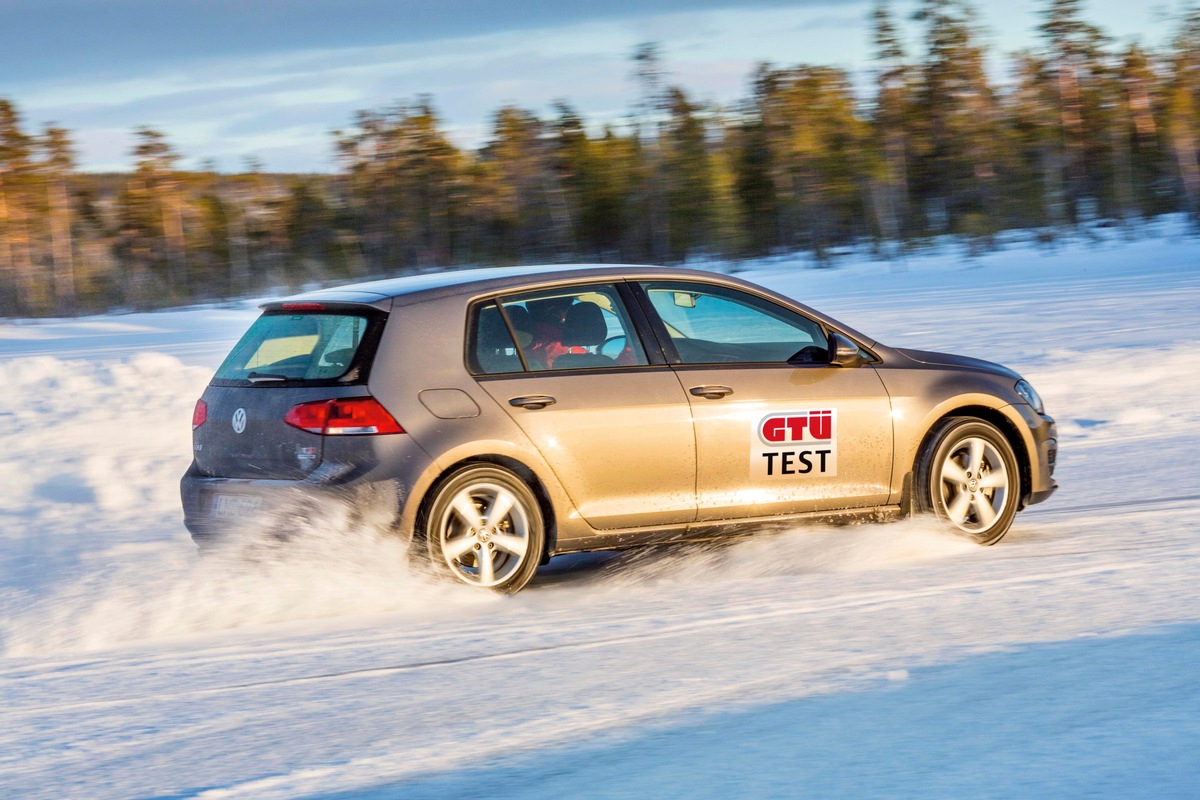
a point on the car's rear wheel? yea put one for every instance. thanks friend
(968, 476)
(485, 528)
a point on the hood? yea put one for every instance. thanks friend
(951, 360)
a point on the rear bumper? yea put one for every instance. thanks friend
(214, 508)
(207, 518)
(379, 470)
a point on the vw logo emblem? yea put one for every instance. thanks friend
(239, 420)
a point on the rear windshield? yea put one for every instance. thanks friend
(288, 347)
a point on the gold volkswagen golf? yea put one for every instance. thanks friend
(518, 414)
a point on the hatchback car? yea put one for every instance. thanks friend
(517, 414)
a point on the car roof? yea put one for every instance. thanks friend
(393, 292)
(414, 288)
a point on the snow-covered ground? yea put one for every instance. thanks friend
(868, 661)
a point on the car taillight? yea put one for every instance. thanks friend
(199, 414)
(352, 416)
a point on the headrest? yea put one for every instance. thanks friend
(548, 311)
(584, 326)
(522, 325)
(519, 317)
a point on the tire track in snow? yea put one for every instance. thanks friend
(739, 619)
(1121, 504)
(355, 641)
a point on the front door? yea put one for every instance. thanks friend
(773, 437)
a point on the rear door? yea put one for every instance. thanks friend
(772, 437)
(605, 411)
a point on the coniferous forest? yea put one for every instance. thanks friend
(1077, 130)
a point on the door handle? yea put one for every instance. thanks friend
(711, 392)
(533, 401)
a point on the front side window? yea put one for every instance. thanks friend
(715, 325)
(296, 347)
(560, 329)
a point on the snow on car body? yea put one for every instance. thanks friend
(523, 413)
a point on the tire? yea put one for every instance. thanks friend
(464, 541)
(967, 475)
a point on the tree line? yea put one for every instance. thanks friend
(1080, 129)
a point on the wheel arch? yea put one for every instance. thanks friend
(1001, 421)
(518, 468)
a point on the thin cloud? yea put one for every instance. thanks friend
(830, 22)
(49, 38)
(271, 78)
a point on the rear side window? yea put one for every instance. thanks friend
(575, 328)
(288, 347)
(493, 348)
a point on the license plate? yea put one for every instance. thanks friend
(235, 506)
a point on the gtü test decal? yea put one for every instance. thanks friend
(795, 443)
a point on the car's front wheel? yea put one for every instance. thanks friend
(968, 476)
(485, 528)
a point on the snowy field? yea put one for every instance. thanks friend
(865, 661)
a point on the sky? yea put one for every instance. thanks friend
(229, 80)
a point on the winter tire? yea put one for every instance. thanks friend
(968, 475)
(485, 528)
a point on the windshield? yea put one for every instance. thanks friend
(296, 347)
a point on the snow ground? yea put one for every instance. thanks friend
(869, 661)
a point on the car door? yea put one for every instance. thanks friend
(772, 437)
(605, 411)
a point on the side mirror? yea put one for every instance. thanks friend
(843, 352)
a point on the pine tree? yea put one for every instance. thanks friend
(312, 247)
(58, 162)
(729, 228)
(1183, 109)
(891, 113)
(959, 131)
(404, 184)
(652, 103)
(818, 149)
(572, 166)
(608, 217)
(758, 196)
(523, 208)
(156, 174)
(1135, 134)
(687, 175)
(1034, 190)
(1074, 54)
(16, 262)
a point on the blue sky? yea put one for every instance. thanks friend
(227, 79)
